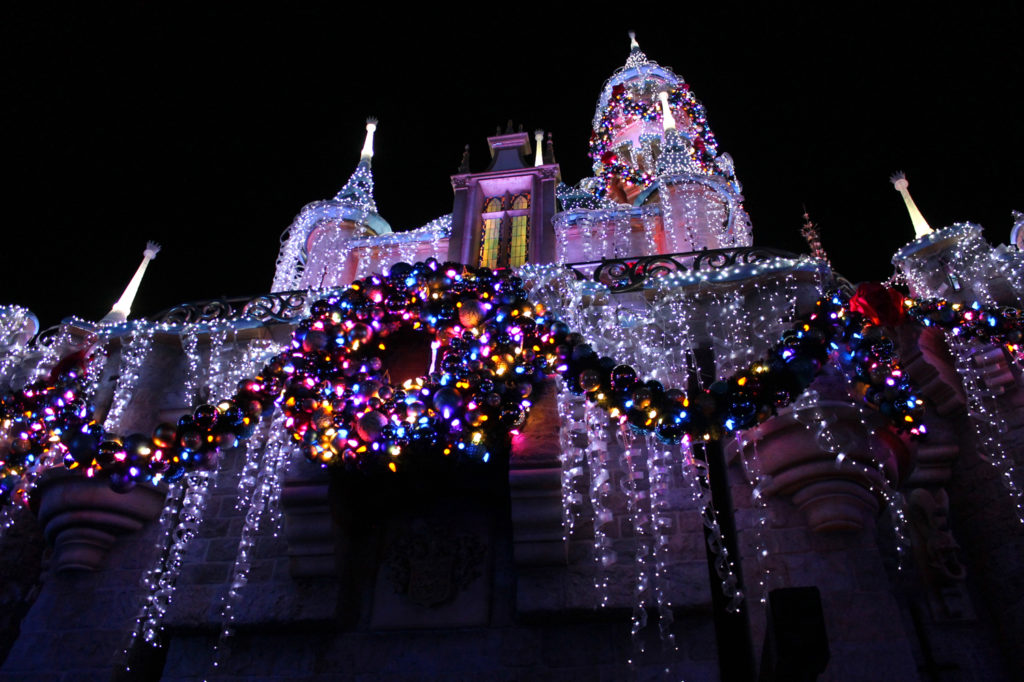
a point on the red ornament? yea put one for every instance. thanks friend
(879, 304)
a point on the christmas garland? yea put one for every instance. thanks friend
(493, 347)
(624, 108)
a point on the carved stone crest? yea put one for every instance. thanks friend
(430, 564)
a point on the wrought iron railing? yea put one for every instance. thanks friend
(280, 306)
(622, 275)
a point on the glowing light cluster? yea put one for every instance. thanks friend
(626, 107)
(492, 346)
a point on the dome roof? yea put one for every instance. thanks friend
(631, 132)
(637, 71)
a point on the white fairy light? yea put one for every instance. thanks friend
(758, 480)
(990, 427)
(659, 473)
(600, 489)
(134, 354)
(572, 434)
(193, 377)
(218, 351)
(696, 474)
(262, 498)
(17, 326)
(179, 521)
(639, 514)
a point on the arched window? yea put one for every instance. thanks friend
(505, 231)
(519, 241)
(489, 242)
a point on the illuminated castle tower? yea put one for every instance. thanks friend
(502, 216)
(335, 241)
(661, 185)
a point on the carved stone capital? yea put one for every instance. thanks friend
(82, 517)
(926, 358)
(834, 495)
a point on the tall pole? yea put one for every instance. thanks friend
(732, 627)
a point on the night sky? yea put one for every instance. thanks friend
(208, 131)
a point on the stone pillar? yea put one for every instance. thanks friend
(815, 525)
(309, 525)
(82, 619)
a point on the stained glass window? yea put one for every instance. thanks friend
(520, 240)
(505, 230)
(489, 242)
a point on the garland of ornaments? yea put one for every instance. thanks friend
(624, 108)
(492, 348)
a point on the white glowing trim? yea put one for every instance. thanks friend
(668, 121)
(123, 308)
(954, 263)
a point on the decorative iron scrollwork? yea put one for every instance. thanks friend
(280, 306)
(622, 275)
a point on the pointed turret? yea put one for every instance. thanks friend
(358, 191)
(921, 227)
(123, 308)
(322, 227)
(636, 55)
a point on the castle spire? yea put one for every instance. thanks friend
(358, 191)
(921, 227)
(367, 153)
(636, 55)
(123, 308)
(538, 139)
